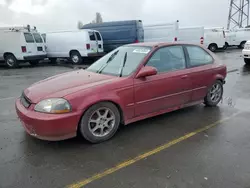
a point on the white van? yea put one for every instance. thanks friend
(238, 37)
(194, 35)
(75, 45)
(20, 44)
(214, 38)
(165, 32)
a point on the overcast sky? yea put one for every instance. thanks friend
(50, 15)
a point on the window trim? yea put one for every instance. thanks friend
(34, 42)
(158, 48)
(188, 58)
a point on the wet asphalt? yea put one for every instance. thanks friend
(216, 158)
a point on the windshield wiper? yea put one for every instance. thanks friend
(106, 64)
(123, 64)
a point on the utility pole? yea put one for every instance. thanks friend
(238, 14)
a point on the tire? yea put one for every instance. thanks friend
(242, 45)
(247, 61)
(75, 58)
(212, 47)
(11, 61)
(209, 100)
(225, 46)
(34, 63)
(86, 128)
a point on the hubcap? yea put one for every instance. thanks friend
(215, 93)
(10, 62)
(75, 58)
(101, 122)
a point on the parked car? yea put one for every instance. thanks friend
(246, 53)
(164, 32)
(238, 37)
(118, 33)
(215, 38)
(74, 45)
(131, 83)
(20, 44)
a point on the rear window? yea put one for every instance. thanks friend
(29, 38)
(98, 36)
(44, 37)
(92, 36)
(38, 38)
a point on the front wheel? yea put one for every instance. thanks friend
(247, 61)
(214, 95)
(212, 47)
(242, 45)
(100, 122)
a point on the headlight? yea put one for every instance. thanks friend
(53, 106)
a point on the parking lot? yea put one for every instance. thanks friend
(189, 148)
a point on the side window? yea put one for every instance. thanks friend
(28, 38)
(168, 59)
(92, 36)
(198, 56)
(98, 36)
(38, 38)
(44, 37)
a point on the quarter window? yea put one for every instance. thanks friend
(198, 56)
(168, 59)
(92, 36)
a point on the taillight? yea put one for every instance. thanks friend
(175, 39)
(136, 41)
(202, 40)
(88, 46)
(24, 49)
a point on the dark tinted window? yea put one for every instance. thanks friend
(198, 56)
(98, 36)
(29, 38)
(92, 36)
(38, 38)
(168, 59)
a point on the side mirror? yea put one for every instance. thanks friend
(146, 71)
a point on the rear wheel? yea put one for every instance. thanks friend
(75, 58)
(212, 47)
(247, 61)
(225, 46)
(11, 61)
(100, 122)
(53, 60)
(214, 94)
(242, 45)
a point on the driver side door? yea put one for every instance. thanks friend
(169, 88)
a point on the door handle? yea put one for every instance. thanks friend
(184, 77)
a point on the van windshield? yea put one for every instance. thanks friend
(122, 61)
(29, 38)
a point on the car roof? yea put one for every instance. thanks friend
(159, 44)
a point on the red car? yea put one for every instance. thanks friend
(131, 83)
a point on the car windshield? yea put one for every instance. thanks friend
(122, 61)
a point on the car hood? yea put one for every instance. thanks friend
(64, 84)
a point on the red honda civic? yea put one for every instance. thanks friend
(131, 83)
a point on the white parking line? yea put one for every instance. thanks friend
(7, 98)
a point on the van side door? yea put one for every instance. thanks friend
(29, 47)
(99, 41)
(93, 43)
(39, 44)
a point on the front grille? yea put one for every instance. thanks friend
(25, 101)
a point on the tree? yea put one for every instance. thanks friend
(79, 25)
(98, 18)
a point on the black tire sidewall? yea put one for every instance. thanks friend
(13, 58)
(211, 47)
(79, 57)
(83, 126)
(247, 61)
(207, 99)
(242, 44)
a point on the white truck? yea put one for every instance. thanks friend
(165, 32)
(214, 38)
(193, 35)
(237, 37)
(21, 44)
(73, 45)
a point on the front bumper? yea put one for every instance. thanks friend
(98, 54)
(246, 53)
(34, 57)
(51, 127)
